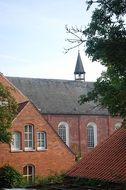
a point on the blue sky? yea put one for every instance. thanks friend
(32, 39)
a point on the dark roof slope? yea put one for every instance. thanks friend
(21, 106)
(57, 96)
(79, 69)
(106, 162)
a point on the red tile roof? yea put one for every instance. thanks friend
(106, 162)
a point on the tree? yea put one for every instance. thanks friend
(105, 40)
(8, 108)
(10, 178)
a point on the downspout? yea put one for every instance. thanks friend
(79, 145)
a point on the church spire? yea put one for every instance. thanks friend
(79, 72)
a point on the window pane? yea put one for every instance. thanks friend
(16, 141)
(29, 172)
(26, 128)
(30, 179)
(62, 132)
(29, 136)
(30, 144)
(41, 139)
(30, 128)
(90, 136)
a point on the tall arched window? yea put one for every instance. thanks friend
(91, 135)
(63, 131)
(29, 173)
(28, 137)
(16, 141)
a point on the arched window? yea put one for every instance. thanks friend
(41, 140)
(28, 137)
(118, 125)
(29, 173)
(16, 141)
(63, 131)
(91, 135)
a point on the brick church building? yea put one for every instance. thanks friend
(81, 127)
(36, 148)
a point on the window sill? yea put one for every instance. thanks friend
(14, 150)
(29, 150)
(41, 149)
(91, 147)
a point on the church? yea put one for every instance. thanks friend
(36, 150)
(81, 127)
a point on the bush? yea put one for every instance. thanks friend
(93, 182)
(41, 181)
(9, 177)
(52, 179)
(56, 178)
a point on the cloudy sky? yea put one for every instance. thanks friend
(32, 39)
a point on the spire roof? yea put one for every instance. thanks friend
(79, 69)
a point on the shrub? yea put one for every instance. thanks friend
(52, 179)
(41, 181)
(9, 177)
(56, 178)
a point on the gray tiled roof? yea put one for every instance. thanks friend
(57, 96)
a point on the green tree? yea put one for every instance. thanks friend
(105, 40)
(9, 177)
(8, 108)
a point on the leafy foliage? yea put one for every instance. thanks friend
(56, 178)
(8, 108)
(9, 177)
(106, 43)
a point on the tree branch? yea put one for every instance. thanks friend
(78, 40)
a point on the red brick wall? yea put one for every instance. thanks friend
(56, 158)
(102, 130)
(74, 131)
(78, 128)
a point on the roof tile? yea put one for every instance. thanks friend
(53, 96)
(106, 162)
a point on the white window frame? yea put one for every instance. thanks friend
(91, 143)
(60, 132)
(16, 141)
(28, 175)
(41, 140)
(29, 139)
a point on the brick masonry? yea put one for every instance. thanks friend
(56, 158)
(47, 161)
(78, 128)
